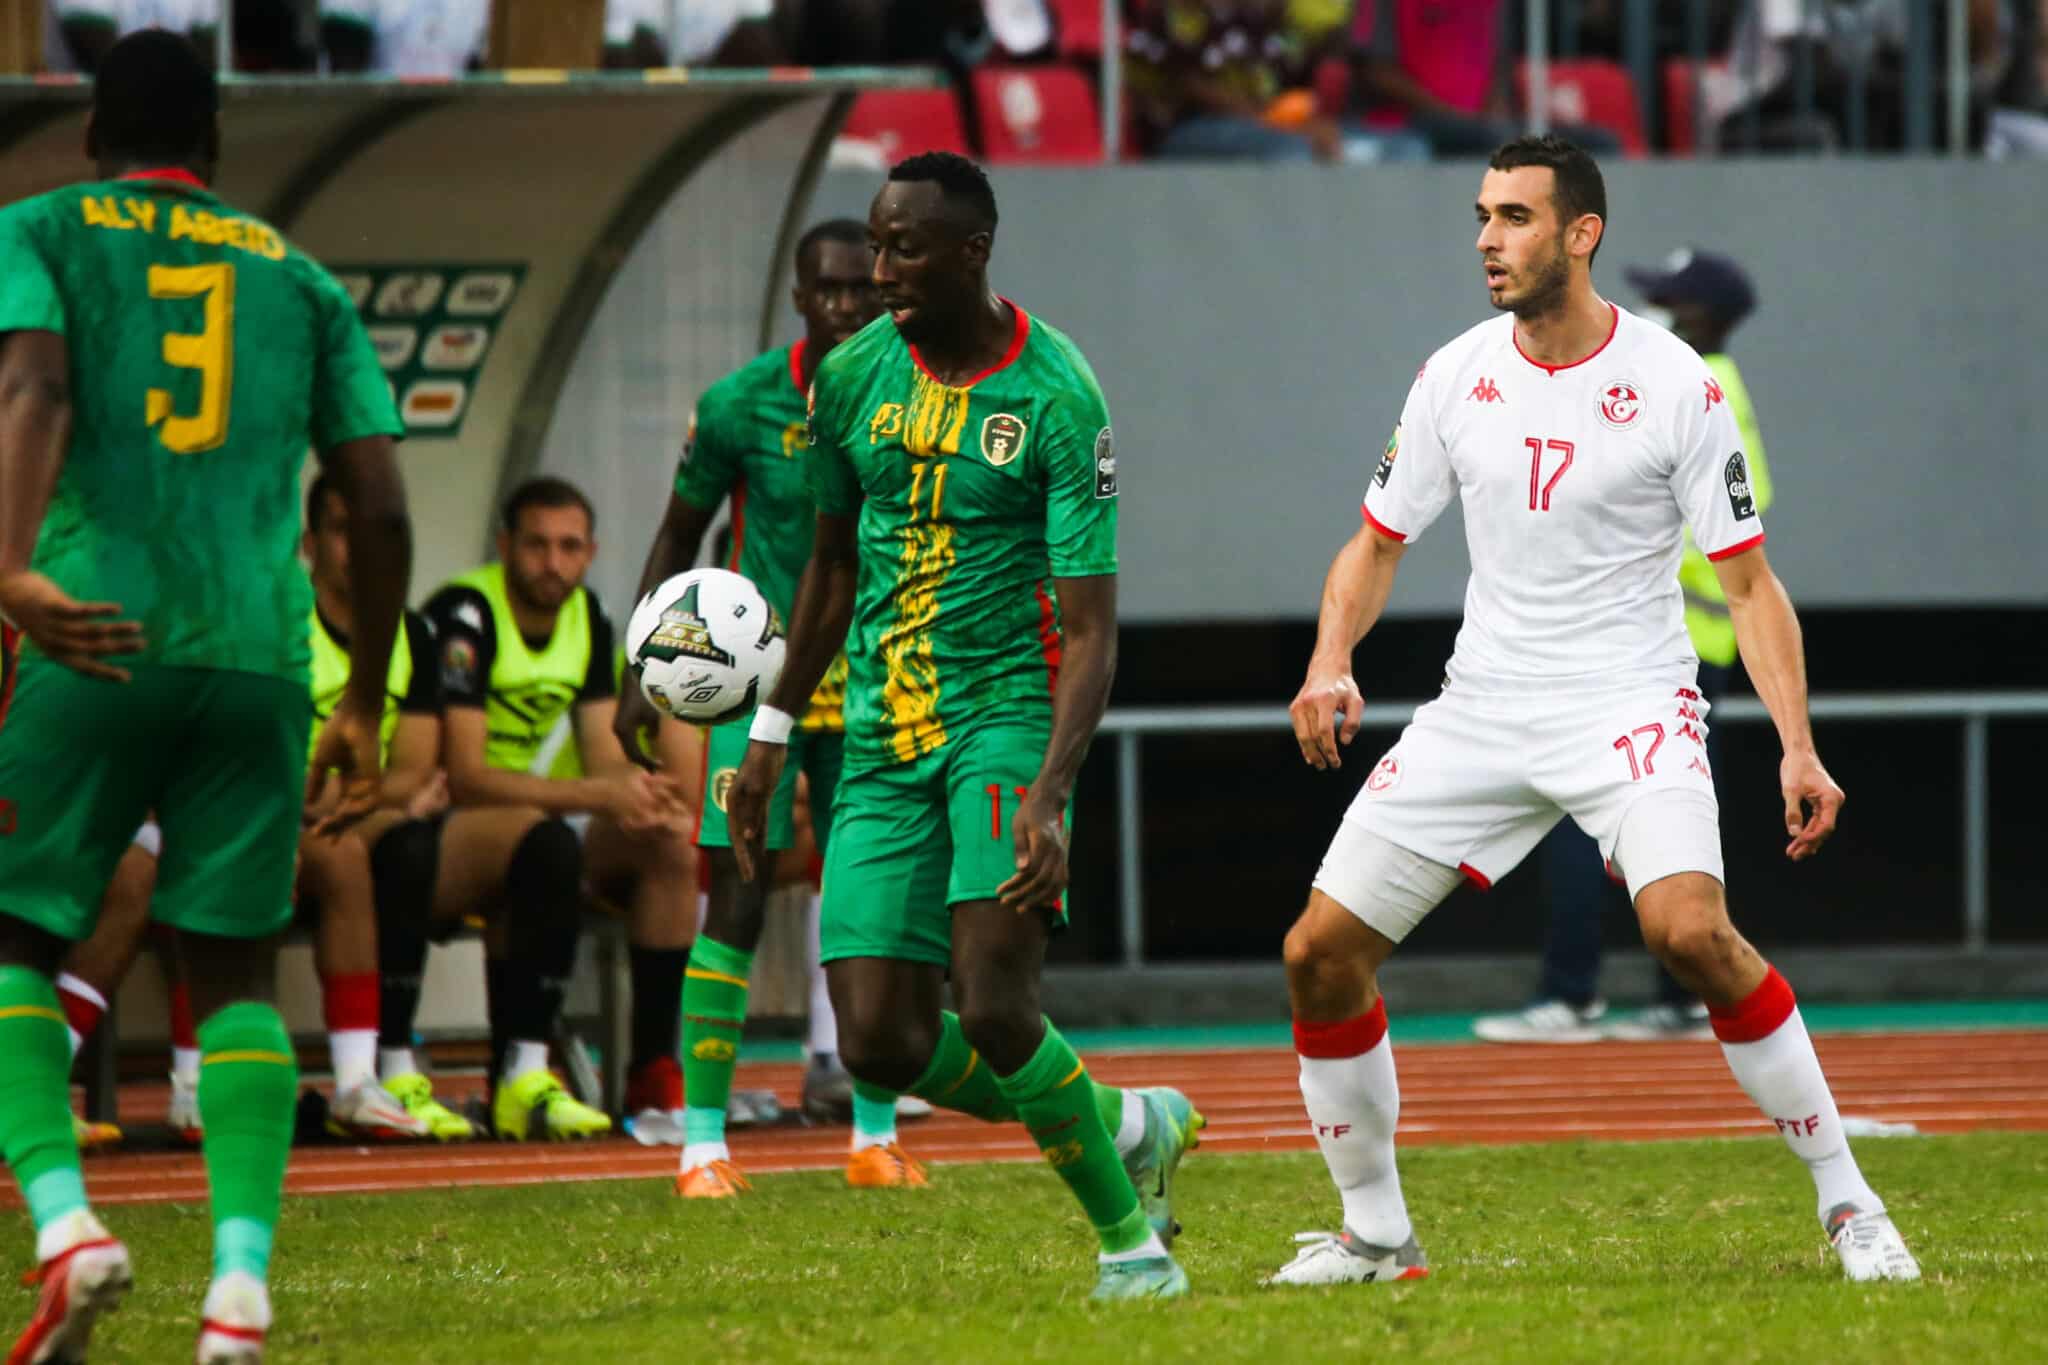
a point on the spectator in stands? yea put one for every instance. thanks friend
(2019, 123)
(266, 31)
(405, 37)
(1702, 298)
(710, 33)
(1211, 78)
(1444, 69)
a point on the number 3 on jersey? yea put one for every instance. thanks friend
(210, 351)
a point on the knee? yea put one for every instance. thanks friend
(404, 861)
(1691, 933)
(1327, 976)
(890, 1053)
(549, 860)
(1310, 953)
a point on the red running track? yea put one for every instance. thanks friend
(1461, 1093)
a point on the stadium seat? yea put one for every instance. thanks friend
(1593, 92)
(1036, 113)
(1080, 29)
(1333, 87)
(900, 123)
(1680, 80)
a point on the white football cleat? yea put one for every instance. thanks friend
(370, 1111)
(84, 1273)
(1546, 1021)
(1345, 1258)
(184, 1115)
(235, 1321)
(1869, 1245)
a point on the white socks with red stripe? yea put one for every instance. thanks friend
(1765, 1042)
(1354, 1100)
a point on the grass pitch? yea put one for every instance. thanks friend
(1648, 1252)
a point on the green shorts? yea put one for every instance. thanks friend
(219, 756)
(912, 840)
(816, 754)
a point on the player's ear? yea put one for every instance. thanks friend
(975, 249)
(1586, 233)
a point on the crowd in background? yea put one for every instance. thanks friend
(1351, 80)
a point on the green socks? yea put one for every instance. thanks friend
(1063, 1110)
(957, 1078)
(874, 1115)
(35, 1078)
(248, 1092)
(714, 1009)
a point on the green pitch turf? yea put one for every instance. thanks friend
(1678, 1251)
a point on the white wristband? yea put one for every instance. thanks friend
(771, 726)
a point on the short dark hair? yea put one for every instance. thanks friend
(546, 490)
(960, 180)
(845, 231)
(1580, 190)
(316, 498)
(154, 99)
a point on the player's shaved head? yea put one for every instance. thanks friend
(843, 231)
(154, 103)
(968, 198)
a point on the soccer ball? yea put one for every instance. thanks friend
(707, 644)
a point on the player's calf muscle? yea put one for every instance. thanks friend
(1331, 963)
(1685, 926)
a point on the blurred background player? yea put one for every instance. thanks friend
(527, 670)
(405, 37)
(746, 443)
(1570, 674)
(142, 288)
(965, 483)
(1701, 298)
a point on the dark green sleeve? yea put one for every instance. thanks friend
(351, 396)
(711, 462)
(1080, 484)
(828, 474)
(29, 300)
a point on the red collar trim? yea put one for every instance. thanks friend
(796, 364)
(1017, 340)
(1612, 327)
(174, 173)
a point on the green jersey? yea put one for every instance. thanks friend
(745, 441)
(206, 354)
(970, 501)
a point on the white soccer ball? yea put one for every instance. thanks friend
(708, 646)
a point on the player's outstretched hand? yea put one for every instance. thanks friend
(348, 747)
(79, 635)
(746, 804)
(644, 802)
(1326, 713)
(1039, 831)
(633, 714)
(1812, 801)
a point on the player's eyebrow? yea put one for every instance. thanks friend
(1510, 207)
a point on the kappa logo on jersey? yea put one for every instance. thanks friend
(1105, 464)
(1713, 396)
(1621, 404)
(1386, 469)
(1485, 391)
(1386, 776)
(1736, 475)
(1002, 438)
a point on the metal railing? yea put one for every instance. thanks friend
(1976, 711)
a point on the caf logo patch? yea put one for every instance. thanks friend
(1736, 475)
(1105, 464)
(1386, 469)
(1002, 439)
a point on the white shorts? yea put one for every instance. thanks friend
(1475, 783)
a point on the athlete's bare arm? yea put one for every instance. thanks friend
(35, 431)
(1087, 667)
(1326, 710)
(1774, 656)
(818, 623)
(413, 772)
(474, 782)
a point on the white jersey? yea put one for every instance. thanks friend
(130, 16)
(701, 26)
(1577, 483)
(419, 37)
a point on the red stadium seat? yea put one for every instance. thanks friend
(1680, 80)
(1080, 29)
(903, 123)
(1592, 92)
(1333, 87)
(1036, 113)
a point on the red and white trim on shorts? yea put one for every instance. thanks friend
(1737, 548)
(1352, 1037)
(1757, 1015)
